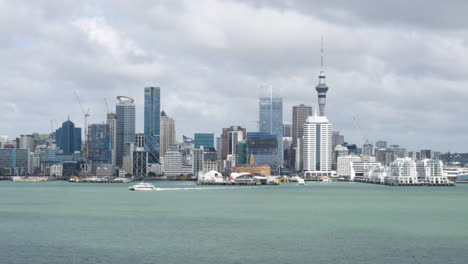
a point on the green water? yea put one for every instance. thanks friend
(60, 222)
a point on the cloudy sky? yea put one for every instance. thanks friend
(397, 71)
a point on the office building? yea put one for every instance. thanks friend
(344, 165)
(300, 113)
(152, 123)
(99, 144)
(264, 149)
(140, 163)
(204, 139)
(125, 127)
(381, 144)
(14, 162)
(317, 147)
(111, 124)
(197, 162)
(287, 130)
(68, 137)
(168, 133)
(230, 137)
(27, 142)
(174, 164)
(337, 139)
(271, 119)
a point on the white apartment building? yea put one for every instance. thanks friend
(344, 165)
(403, 171)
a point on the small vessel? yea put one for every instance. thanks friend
(300, 181)
(142, 186)
(326, 180)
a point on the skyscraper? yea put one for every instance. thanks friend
(152, 123)
(99, 144)
(111, 124)
(125, 127)
(317, 147)
(300, 113)
(263, 147)
(68, 137)
(271, 118)
(230, 137)
(168, 134)
(204, 139)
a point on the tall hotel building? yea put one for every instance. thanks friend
(125, 127)
(317, 147)
(152, 123)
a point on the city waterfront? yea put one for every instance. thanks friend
(61, 222)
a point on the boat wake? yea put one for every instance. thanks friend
(200, 188)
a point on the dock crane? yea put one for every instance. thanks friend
(86, 115)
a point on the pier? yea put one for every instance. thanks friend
(427, 184)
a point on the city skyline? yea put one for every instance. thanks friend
(409, 93)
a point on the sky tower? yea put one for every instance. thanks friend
(321, 88)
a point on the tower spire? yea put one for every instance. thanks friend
(321, 53)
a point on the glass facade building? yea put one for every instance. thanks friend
(13, 162)
(204, 139)
(271, 120)
(99, 144)
(152, 123)
(264, 148)
(68, 137)
(125, 127)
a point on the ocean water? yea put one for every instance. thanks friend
(61, 222)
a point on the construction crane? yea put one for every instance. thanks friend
(86, 115)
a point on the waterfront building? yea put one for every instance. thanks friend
(112, 126)
(127, 165)
(359, 168)
(317, 147)
(260, 170)
(155, 169)
(271, 118)
(300, 113)
(125, 127)
(27, 142)
(174, 163)
(376, 174)
(104, 170)
(204, 139)
(197, 162)
(70, 169)
(140, 163)
(68, 137)
(56, 170)
(344, 164)
(14, 162)
(403, 171)
(99, 144)
(230, 137)
(210, 165)
(431, 171)
(168, 133)
(152, 123)
(264, 149)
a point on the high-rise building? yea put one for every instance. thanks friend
(140, 140)
(27, 142)
(99, 144)
(287, 130)
(230, 137)
(317, 147)
(337, 139)
(111, 124)
(300, 113)
(140, 162)
(168, 133)
(204, 139)
(125, 127)
(197, 161)
(264, 148)
(152, 123)
(13, 161)
(381, 144)
(241, 152)
(271, 118)
(68, 137)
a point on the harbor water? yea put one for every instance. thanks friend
(61, 222)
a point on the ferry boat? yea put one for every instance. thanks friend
(300, 181)
(142, 186)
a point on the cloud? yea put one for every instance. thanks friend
(394, 74)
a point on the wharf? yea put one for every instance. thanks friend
(104, 180)
(407, 184)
